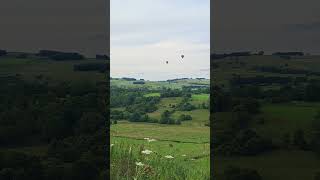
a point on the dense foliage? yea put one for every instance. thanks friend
(67, 119)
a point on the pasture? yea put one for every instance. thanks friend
(178, 151)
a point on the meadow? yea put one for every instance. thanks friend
(178, 151)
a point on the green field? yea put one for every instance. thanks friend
(152, 94)
(157, 85)
(188, 143)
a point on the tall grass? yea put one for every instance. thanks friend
(129, 162)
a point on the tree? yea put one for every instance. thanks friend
(165, 117)
(84, 170)
(299, 139)
(236, 173)
(90, 122)
(135, 117)
(184, 117)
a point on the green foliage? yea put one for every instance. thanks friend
(90, 122)
(165, 117)
(245, 142)
(299, 139)
(84, 170)
(170, 93)
(236, 173)
(184, 117)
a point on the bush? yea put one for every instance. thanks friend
(186, 107)
(135, 117)
(235, 173)
(299, 139)
(184, 117)
(166, 118)
(245, 142)
(84, 170)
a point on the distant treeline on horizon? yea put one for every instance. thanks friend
(50, 54)
(169, 80)
(286, 55)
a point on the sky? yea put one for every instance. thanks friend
(140, 27)
(269, 25)
(147, 33)
(67, 25)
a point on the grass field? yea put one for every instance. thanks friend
(157, 85)
(152, 94)
(188, 143)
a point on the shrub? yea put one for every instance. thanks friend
(184, 117)
(235, 173)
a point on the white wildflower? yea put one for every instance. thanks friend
(183, 155)
(169, 157)
(139, 164)
(146, 151)
(151, 140)
(146, 138)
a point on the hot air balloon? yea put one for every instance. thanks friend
(182, 56)
(167, 62)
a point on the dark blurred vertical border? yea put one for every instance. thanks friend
(265, 84)
(211, 93)
(54, 89)
(108, 89)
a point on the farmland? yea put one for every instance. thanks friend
(180, 146)
(266, 116)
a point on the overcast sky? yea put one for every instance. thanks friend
(147, 33)
(67, 25)
(270, 25)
